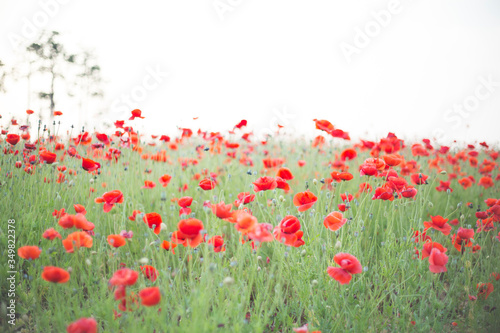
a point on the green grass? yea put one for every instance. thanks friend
(291, 290)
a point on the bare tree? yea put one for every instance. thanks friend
(51, 59)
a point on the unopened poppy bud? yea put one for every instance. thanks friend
(258, 269)
(163, 226)
(431, 204)
(462, 218)
(91, 180)
(443, 172)
(315, 181)
(228, 281)
(303, 253)
(314, 283)
(88, 262)
(338, 245)
(467, 264)
(70, 270)
(144, 261)
(259, 258)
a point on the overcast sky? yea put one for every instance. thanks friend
(417, 68)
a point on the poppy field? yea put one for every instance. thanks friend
(219, 232)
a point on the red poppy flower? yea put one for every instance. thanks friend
(428, 246)
(444, 186)
(55, 274)
(490, 202)
(288, 231)
(438, 223)
(301, 163)
(13, 139)
(124, 277)
(284, 173)
(51, 233)
(484, 289)
(244, 221)
(190, 232)
(393, 159)
(149, 272)
(185, 202)
(166, 245)
(419, 178)
(29, 252)
(134, 214)
(409, 192)
(68, 221)
(486, 182)
(346, 198)
(78, 239)
(466, 182)
(164, 180)
(304, 200)
(348, 154)
(264, 184)
(368, 169)
(244, 198)
(207, 184)
(345, 176)
(83, 325)
(150, 296)
(116, 240)
(30, 111)
(334, 221)
(383, 193)
(179, 238)
(437, 261)
(110, 199)
(222, 210)
(153, 220)
(324, 125)
(47, 157)
(282, 184)
(136, 113)
(149, 184)
(261, 233)
(80, 209)
(218, 243)
(349, 265)
(89, 165)
(241, 124)
(365, 187)
(465, 233)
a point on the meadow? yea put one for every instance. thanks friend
(217, 232)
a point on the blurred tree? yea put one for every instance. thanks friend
(50, 54)
(3, 75)
(51, 71)
(89, 83)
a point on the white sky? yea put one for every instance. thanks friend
(283, 54)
